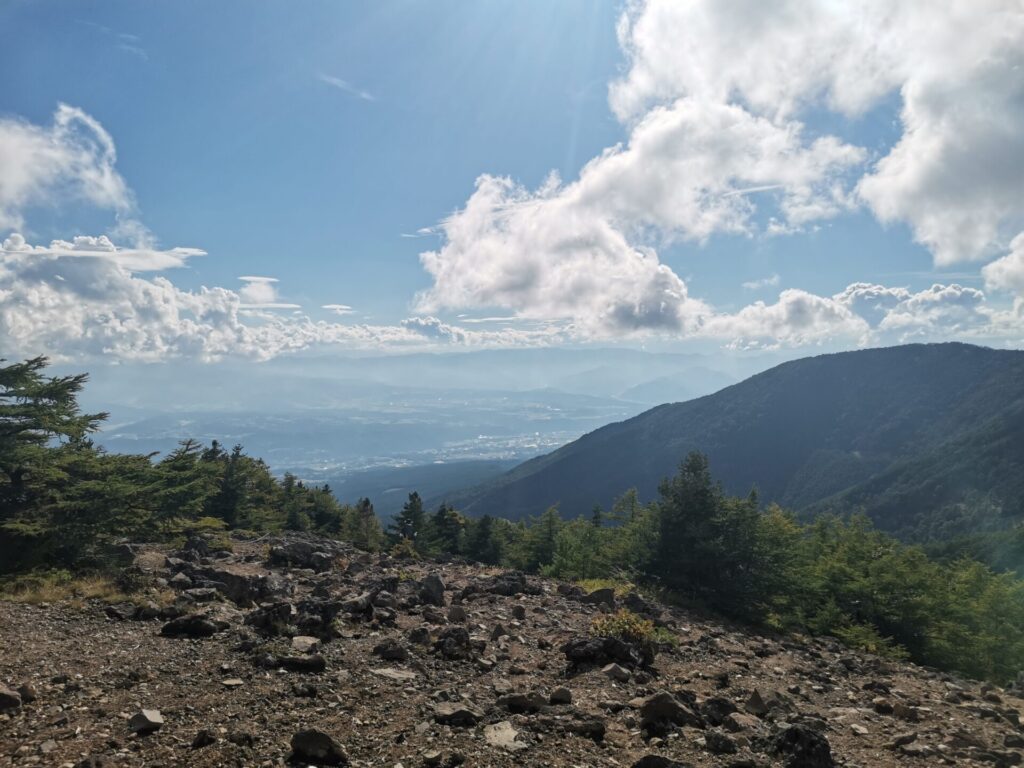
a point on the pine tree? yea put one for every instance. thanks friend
(541, 538)
(483, 543)
(446, 530)
(689, 503)
(411, 521)
(34, 411)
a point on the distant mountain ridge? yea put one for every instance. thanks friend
(920, 437)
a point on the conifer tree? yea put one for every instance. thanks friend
(411, 521)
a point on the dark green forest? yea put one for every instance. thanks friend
(66, 503)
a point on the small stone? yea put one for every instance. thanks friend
(391, 650)
(313, 663)
(204, 738)
(738, 721)
(455, 714)
(317, 747)
(755, 704)
(146, 721)
(902, 739)
(28, 693)
(503, 735)
(232, 682)
(663, 709)
(803, 747)
(457, 614)
(191, 625)
(616, 672)
(398, 675)
(9, 700)
(604, 596)
(859, 729)
(905, 712)
(561, 695)
(720, 743)
(305, 644)
(242, 737)
(658, 761)
(522, 703)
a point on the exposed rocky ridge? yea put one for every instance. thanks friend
(333, 657)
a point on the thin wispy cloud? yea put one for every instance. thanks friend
(339, 309)
(764, 282)
(126, 42)
(134, 50)
(346, 87)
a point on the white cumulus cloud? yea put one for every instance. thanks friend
(1007, 273)
(91, 302)
(718, 99)
(74, 157)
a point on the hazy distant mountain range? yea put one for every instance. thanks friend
(382, 426)
(926, 439)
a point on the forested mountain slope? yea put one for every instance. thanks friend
(927, 439)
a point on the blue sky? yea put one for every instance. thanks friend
(754, 185)
(230, 138)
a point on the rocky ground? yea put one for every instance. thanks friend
(300, 651)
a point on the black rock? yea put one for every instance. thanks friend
(454, 643)
(432, 590)
(585, 652)
(312, 663)
(391, 650)
(661, 711)
(204, 738)
(317, 747)
(803, 747)
(716, 709)
(191, 625)
(10, 701)
(522, 703)
(657, 761)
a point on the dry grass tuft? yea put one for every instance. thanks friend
(60, 586)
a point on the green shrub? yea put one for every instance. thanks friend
(624, 625)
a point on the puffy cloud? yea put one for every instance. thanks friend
(864, 314)
(90, 302)
(546, 257)
(1007, 273)
(798, 318)
(774, 57)
(576, 251)
(74, 157)
(261, 293)
(871, 302)
(715, 99)
(942, 311)
(956, 174)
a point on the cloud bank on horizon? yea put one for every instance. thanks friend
(715, 99)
